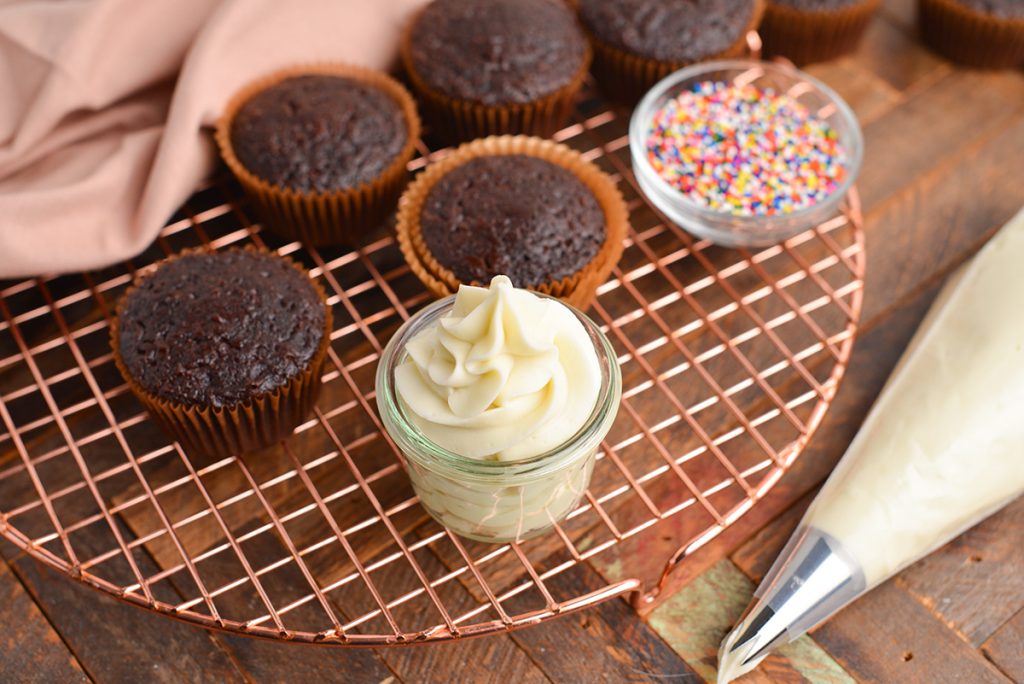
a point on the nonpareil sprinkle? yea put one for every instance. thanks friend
(745, 150)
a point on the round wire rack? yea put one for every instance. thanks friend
(730, 359)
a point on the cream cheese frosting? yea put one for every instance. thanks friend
(505, 375)
(943, 446)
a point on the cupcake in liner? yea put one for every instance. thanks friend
(457, 120)
(626, 76)
(970, 36)
(258, 422)
(577, 289)
(339, 216)
(805, 36)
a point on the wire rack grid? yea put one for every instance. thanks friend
(730, 359)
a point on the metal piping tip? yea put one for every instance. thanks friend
(812, 579)
(748, 643)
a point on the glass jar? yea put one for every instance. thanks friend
(721, 227)
(496, 501)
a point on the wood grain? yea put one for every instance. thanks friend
(119, 643)
(924, 133)
(608, 643)
(96, 626)
(887, 636)
(976, 582)
(867, 94)
(32, 650)
(894, 54)
(1006, 648)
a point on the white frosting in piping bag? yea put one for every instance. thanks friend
(506, 375)
(943, 446)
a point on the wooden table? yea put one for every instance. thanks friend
(941, 174)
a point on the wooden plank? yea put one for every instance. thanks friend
(118, 643)
(757, 554)
(695, 620)
(898, 57)
(931, 125)
(608, 643)
(943, 217)
(1005, 648)
(887, 636)
(976, 582)
(33, 652)
(496, 658)
(867, 94)
(113, 641)
(266, 661)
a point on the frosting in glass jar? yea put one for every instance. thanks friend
(504, 376)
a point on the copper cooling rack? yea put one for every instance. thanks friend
(730, 359)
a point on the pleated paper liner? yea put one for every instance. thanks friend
(456, 120)
(970, 37)
(805, 36)
(626, 77)
(577, 289)
(340, 216)
(246, 426)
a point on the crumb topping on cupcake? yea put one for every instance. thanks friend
(512, 214)
(319, 132)
(216, 329)
(496, 51)
(668, 30)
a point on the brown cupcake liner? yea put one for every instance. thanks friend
(969, 37)
(246, 426)
(456, 120)
(323, 218)
(804, 37)
(626, 77)
(577, 289)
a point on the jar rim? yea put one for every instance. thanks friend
(414, 444)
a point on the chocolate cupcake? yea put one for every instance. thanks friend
(806, 31)
(987, 34)
(224, 349)
(523, 207)
(321, 150)
(639, 42)
(481, 67)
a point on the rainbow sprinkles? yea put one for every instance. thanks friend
(745, 150)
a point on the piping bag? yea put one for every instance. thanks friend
(941, 449)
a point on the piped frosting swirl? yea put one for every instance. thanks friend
(505, 375)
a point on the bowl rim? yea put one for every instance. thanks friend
(644, 111)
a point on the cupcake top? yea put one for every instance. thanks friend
(997, 8)
(496, 51)
(216, 329)
(668, 30)
(512, 214)
(817, 5)
(318, 133)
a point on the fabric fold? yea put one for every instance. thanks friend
(98, 149)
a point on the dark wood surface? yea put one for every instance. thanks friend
(941, 174)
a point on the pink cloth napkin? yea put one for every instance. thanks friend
(100, 143)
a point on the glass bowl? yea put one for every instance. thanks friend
(496, 501)
(729, 229)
